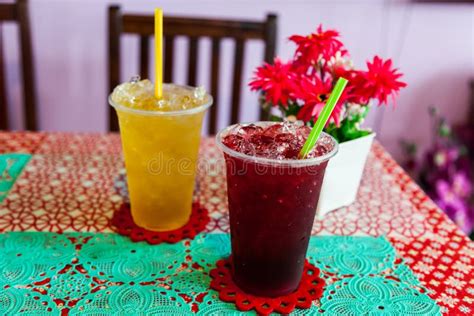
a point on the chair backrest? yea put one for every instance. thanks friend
(18, 12)
(471, 111)
(193, 29)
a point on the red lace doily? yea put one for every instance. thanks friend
(310, 289)
(123, 222)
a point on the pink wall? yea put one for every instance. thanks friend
(433, 44)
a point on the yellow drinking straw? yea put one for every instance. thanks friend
(158, 53)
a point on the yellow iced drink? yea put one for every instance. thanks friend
(160, 140)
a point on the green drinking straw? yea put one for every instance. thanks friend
(323, 117)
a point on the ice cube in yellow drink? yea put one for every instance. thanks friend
(160, 140)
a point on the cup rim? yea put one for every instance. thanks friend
(190, 111)
(262, 160)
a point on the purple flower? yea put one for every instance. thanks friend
(452, 203)
(461, 185)
(446, 173)
(446, 194)
(444, 157)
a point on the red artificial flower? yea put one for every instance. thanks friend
(341, 71)
(320, 44)
(379, 82)
(354, 92)
(314, 94)
(277, 81)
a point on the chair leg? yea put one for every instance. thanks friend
(29, 90)
(115, 25)
(3, 94)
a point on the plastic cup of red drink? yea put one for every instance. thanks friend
(272, 198)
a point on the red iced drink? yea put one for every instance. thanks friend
(273, 197)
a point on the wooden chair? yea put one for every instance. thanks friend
(471, 111)
(193, 29)
(18, 12)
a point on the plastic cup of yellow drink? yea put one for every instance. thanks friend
(160, 140)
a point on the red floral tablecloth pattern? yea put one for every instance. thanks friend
(68, 185)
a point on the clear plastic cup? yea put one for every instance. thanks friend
(272, 205)
(161, 151)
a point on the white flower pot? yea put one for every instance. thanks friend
(343, 175)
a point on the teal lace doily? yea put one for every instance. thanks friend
(99, 274)
(11, 166)
(375, 295)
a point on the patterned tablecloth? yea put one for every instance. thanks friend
(68, 186)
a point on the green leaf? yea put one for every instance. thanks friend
(292, 109)
(409, 147)
(348, 130)
(444, 130)
(275, 118)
